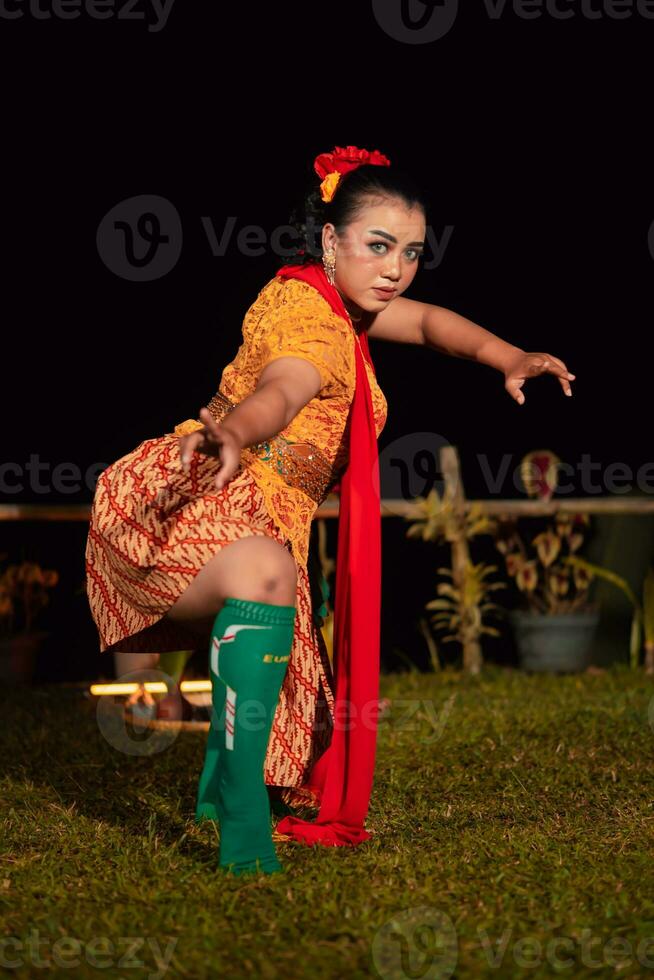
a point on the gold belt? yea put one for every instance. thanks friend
(300, 464)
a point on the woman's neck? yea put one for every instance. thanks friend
(354, 311)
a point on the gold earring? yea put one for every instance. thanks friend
(329, 263)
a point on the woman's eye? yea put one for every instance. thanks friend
(412, 253)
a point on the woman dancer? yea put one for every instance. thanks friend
(202, 535)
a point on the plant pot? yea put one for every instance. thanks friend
(18, 655)
(554, 643)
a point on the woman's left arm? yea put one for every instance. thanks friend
(409, 321)
(453, 334)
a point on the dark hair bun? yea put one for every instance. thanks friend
(355, 189)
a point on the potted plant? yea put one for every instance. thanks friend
(23, 595)
(555, 629)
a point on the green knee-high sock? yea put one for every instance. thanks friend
(250, 649)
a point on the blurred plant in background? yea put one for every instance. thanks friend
(540, 568)
(553, 578)
(23, 594)
(648, 620)
(463, 601)
(462, 608)
(643, 615)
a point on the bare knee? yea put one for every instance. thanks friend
(271, 573)
(257, 568)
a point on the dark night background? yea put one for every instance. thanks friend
(530, 136)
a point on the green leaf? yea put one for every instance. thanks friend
(604, 573)
(648, 606)
(634, 641)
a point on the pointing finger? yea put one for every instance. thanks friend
(563, 376)
(208, 417)
(564, 371)
(191, 440)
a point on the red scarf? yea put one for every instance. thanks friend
(343, 776)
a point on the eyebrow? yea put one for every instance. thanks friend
(391, 238)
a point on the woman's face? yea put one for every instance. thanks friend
(380, 249)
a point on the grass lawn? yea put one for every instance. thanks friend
(513, 819)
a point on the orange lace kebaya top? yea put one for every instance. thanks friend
(291, 318)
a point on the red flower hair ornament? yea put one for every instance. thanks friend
(331, 166)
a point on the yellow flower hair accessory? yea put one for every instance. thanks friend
(329, 185)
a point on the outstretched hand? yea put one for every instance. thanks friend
(213, 440)
(528, 366)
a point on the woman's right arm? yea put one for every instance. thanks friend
(283, 389)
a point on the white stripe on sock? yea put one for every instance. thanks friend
(228, 636)
(230, 694)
